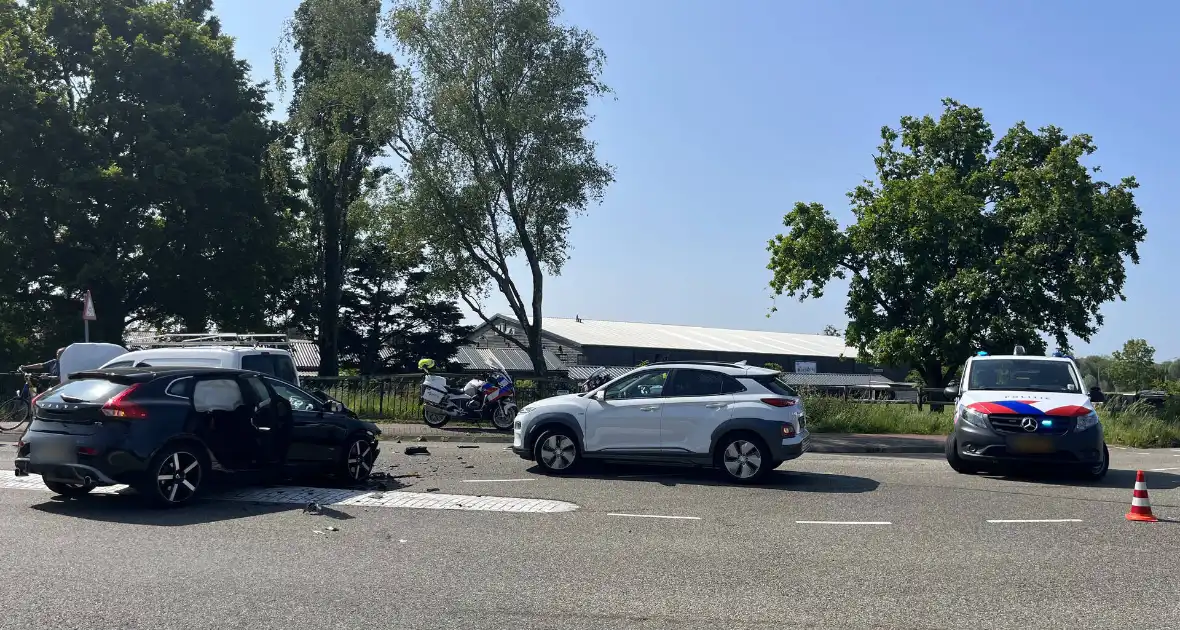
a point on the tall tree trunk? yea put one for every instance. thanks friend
(330, 301)
(536, 349)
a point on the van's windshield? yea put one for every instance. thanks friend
(1030, 375)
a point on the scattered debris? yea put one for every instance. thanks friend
(377, 495)
(413, 474)
(316, 531)
(313, 508)
(469, 466)
(333, 528)
(402, 540)
(419, 439)
(417, 450)
(468, 446)
(432, 489)
(379, 475)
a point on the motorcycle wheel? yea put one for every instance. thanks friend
(503, 418)
(434, 418)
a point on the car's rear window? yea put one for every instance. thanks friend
(84, 390)
(774, 384)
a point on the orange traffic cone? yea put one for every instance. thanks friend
(1140, 504)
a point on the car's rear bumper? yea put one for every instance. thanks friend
(65, 473)
(791, 448)
(977, 444)
(101, 456)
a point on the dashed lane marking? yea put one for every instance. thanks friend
(296, 495)
(1037, 520)
(844, 522)
(683, 518)
(494, 480)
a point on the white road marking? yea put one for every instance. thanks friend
(297, 495)
(686, 518)
(494, 480)
(1163, 469)
(1037, 520)
(844, 522)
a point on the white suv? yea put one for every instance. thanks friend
(740, 419)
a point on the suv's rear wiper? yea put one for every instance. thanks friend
(72, 399)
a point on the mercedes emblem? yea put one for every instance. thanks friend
(1028, 424)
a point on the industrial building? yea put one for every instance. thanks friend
(580, 346)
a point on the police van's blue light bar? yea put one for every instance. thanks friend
(981, 353)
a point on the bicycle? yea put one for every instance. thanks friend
(19, 409)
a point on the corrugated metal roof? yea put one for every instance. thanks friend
(590, 332)
(583, 372)
(514, 359)
(835, 380)
(306, 354)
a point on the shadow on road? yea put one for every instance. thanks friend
(1115, 478)
(672, 476)
(130, 509)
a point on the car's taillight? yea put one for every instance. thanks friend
(34, 400)
(788, 430)
(780, 402)
(120, 407)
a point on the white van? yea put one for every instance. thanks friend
(272, 361)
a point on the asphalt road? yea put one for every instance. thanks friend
(915, 549)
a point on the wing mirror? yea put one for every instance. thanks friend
(951, 392)
(1096, 395)
(600, 395)
(335, 407)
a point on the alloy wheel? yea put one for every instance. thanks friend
(742, 459)
(360, 460)
(179, 477)
(558, 452)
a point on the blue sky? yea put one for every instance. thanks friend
(726, 113)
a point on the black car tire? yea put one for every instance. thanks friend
(957, 463)
(556, 451)
(356, 463)
(739, 453)
(1097, 473)
(69, 489)
(190, 483)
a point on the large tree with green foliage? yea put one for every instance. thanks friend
(965, 243)
(130, 167)
(1133, 368)
(490, 124)
(340, 89)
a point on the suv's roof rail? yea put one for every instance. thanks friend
(193, 340)
(692, 362)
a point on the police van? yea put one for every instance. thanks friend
(1020, 408)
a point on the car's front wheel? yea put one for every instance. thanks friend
(955, 460)
(556, 452)
(176, 475)
(1098, 471)
(69, 489)
(744, 458)
(358, 459)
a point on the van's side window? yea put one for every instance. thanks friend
(285, 368)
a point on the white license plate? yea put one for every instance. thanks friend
(53, 451)
(433, 395)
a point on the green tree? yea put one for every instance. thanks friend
(963, 244)
(1133, 368)
(132, 138)
(340, 93)
(490, 117)
(831, 331)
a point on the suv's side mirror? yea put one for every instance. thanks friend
(951, 392)
(335, 407)
(1096, 395)
(600, 395)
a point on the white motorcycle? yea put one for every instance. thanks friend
(491, 399)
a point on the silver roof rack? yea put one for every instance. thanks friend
(196, 340)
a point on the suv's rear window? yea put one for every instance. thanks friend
(774, 384)
(84, 390)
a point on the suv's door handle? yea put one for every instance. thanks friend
(716, 405)
(649, 408)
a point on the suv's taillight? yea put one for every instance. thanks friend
(119, 407)
(780, 402)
